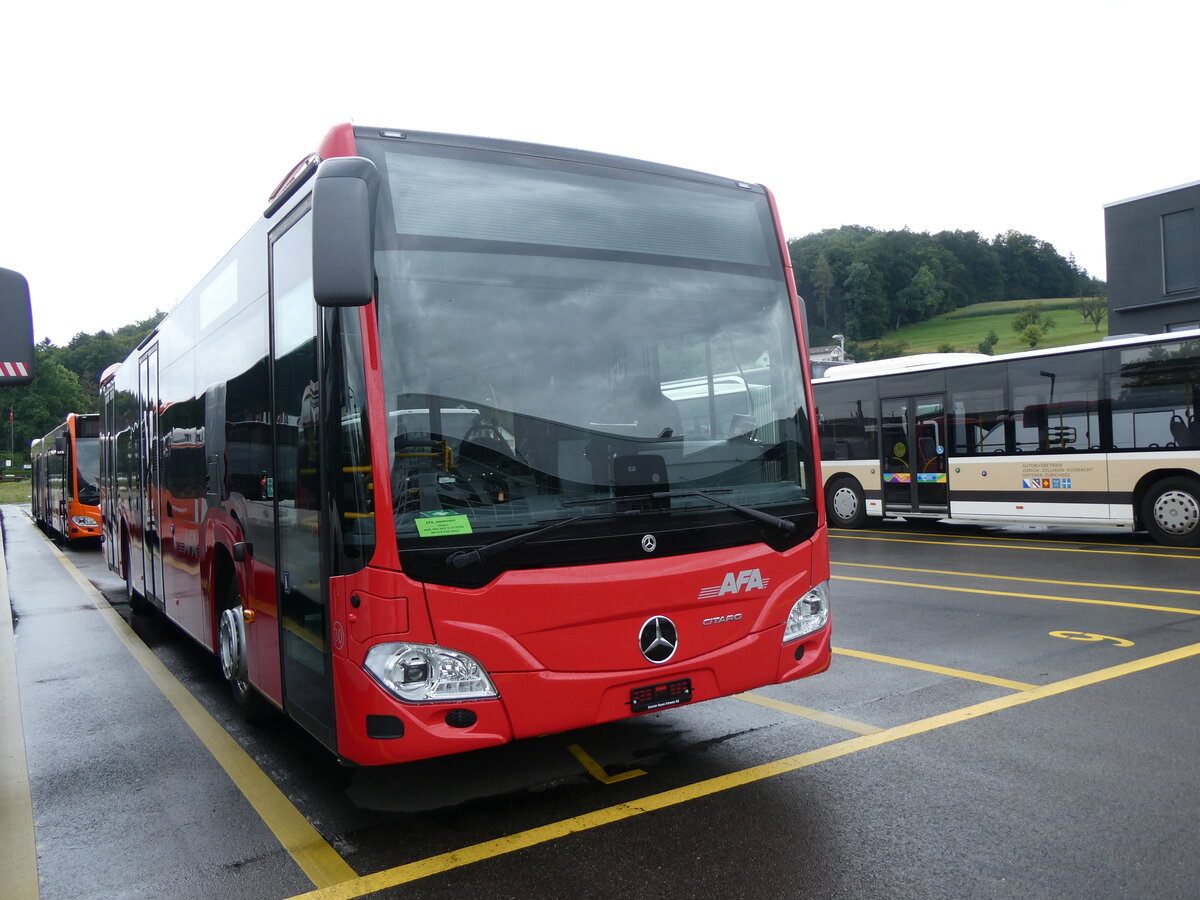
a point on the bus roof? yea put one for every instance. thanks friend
(928, 361)
(902, 363)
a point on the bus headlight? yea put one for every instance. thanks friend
(419, 673)
(84, 522)
(810, 613)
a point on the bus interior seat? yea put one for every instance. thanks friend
(488, 437)
(1181, 432)
(927, 453)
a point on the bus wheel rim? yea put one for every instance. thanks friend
(232, 644)
(845, 504)
(1177, 512)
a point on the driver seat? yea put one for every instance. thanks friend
(654, 414)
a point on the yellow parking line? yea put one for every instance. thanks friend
(965, 590)
(454, 859)
(597, 771)
(1046, 546)
(793, 709)
(940, 670)
(319, 861)
(1086, 584)
(18, 846)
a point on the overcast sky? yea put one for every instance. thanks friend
(139, 142)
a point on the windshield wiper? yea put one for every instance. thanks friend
(463, 558)
(757, 515)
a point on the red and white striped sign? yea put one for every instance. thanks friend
(13, 369)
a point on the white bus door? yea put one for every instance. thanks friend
(913, 431)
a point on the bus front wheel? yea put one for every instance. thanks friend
(1171, 512)
(231, 650)
(845, 504)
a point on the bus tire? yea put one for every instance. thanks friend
(1171, 511)
(845, 503)
(231, 651)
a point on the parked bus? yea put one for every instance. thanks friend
(65, 478)
(407, 459)
(1096, 434)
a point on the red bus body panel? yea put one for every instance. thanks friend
(561, 644)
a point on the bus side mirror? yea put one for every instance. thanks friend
(60, 444)
(16, 337)
(343, 231)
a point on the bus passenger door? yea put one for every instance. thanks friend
(300, 577)
(151, 493)
(914, 456)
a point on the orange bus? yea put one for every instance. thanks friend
(65, 481)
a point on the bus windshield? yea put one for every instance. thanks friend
(87, 465)
(555, 331)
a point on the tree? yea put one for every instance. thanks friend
(978, 277)
(1032, 323)
(88, 355)
(1093, 309)
(920, 300)
(839, 248)
(895, 256)
(54, 392)
(988, 344)
(951, 276)
(65, 380)
(866, 305)
(965, 267)
(824, 284)
(1033, 268)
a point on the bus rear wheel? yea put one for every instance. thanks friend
(845, 504)
(1171, 512)
(231, 650)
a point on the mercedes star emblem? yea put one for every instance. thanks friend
(658, 639)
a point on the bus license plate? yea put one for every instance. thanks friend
(659, 696)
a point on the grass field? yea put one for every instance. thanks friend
(14, 491)
(965, 328)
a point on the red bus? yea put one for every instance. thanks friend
(408, 462)
(65, 478)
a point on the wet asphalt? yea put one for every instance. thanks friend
(1009, 714)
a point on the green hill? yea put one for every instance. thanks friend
(963, 329)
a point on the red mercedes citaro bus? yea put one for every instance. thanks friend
(470, 440)
(64, 485)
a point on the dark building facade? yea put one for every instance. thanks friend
(1153, 253)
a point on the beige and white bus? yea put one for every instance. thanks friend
(1105, 433)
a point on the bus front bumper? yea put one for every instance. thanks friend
(376, 729)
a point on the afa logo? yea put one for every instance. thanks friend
(735, 583)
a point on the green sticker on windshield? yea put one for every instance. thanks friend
(442, 522)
